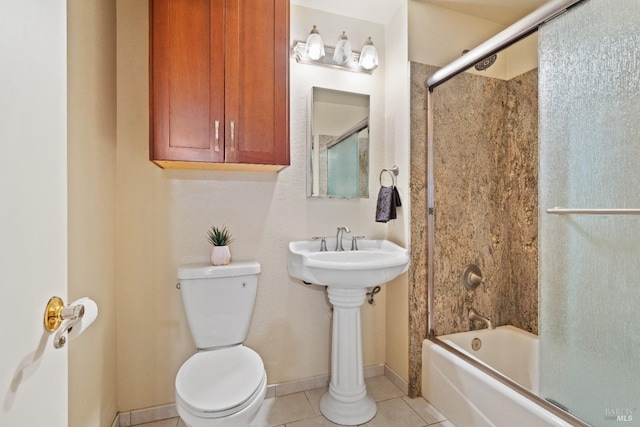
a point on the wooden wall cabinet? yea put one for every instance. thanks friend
(219, 84)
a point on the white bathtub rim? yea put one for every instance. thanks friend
(484, 402)
(524, 397)
(529, 385)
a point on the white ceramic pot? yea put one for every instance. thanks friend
(220, 255)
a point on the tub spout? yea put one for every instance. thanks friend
(473, 315)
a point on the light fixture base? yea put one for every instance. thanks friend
(298, 49)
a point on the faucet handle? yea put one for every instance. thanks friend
(323, 242)
(354, 242)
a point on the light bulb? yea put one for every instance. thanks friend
(342, 53)
(369, 55)
(315, 46)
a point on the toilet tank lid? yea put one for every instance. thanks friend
(208, 271)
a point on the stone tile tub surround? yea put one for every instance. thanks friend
(486, 163)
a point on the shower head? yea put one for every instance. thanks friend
(485, 63)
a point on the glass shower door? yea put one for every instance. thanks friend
(344, 169)
(589, 275)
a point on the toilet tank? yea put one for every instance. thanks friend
(218, 301)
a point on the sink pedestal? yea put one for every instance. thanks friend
(347, 274)
(347, 402)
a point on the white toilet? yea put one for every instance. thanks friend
(224, 383)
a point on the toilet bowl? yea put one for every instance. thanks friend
(225, 382)
(221, 387)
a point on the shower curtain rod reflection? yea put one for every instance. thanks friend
(515, 32)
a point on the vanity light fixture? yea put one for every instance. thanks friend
(341, 57)
(315, 47)
(369, 55)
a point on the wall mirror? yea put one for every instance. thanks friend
(339, 144)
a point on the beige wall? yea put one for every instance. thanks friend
(91, 154)
(163, 215)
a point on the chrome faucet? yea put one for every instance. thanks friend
(473, 315)
(341, 231)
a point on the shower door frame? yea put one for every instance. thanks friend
(512, 34)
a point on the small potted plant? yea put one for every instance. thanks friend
(220, 238)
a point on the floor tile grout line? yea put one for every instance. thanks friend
(415, 412)
(306, 396)
(429, 423)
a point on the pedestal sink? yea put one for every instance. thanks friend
(347, 274)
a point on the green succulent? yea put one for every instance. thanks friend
(220, 236)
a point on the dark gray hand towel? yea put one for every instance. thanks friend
(388, 200)
(386, 207)
(396, 197)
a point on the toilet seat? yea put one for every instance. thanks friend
(218, 383)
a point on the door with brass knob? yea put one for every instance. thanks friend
(33, 218)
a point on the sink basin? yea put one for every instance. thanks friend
(374, 263)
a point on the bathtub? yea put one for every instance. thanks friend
(477, 396)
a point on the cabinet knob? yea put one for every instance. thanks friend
(216, 146)
(232, 125)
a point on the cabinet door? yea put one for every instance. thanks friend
(257, 82)
(187, 68)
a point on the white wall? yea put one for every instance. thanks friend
(163, 216)
(369, 10)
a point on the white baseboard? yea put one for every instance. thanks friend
(146, 415)
(397, 380)
(305, 384)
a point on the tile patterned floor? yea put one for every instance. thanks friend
(301, 410)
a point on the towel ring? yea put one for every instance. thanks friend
(393, 172)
